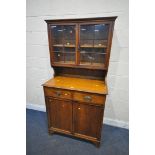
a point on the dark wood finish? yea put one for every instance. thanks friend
(75, 97)
(109, 45)
(58, 93)
(60, 114)
(101, 19)
(101, 67)
(89, 97)
(80, 72)
(87, 120)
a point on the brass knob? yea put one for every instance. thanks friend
(79, 108)
(58, 93)
(88, 98)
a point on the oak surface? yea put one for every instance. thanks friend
(79, 84)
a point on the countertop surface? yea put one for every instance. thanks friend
(79, 84)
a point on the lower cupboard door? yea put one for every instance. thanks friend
(60, 113)
(88, 120)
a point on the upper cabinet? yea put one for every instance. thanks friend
(83, 43)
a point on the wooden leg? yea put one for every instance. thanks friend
(97, 144)
(50, 132)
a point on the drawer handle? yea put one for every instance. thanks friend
(58, 93)
(50, 100)
(87, 98)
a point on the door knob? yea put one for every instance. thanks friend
(87, 98)
(58, 93)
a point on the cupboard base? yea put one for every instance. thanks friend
(87, 138)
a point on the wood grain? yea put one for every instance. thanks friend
(60, 114)
(89, 97)
(87, 120)
(79, 84)
(58, 93)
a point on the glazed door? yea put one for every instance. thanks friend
(87, 120)
(93, 43)
(63, 43)
(60, 114)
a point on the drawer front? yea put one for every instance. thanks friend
(58, 93)
(88, 97)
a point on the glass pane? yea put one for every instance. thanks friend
(90, 57)
(101, 31)
(58, 56)
(57, 35)
(69, 58)
(69, 36)
(63, 43)
(93, 44)
(87, 32)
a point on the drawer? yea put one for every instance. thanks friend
(58, 93)
(89, 97)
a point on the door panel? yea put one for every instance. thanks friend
(87, 119)
(93, 43)
(60, 114)
(63, 43)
